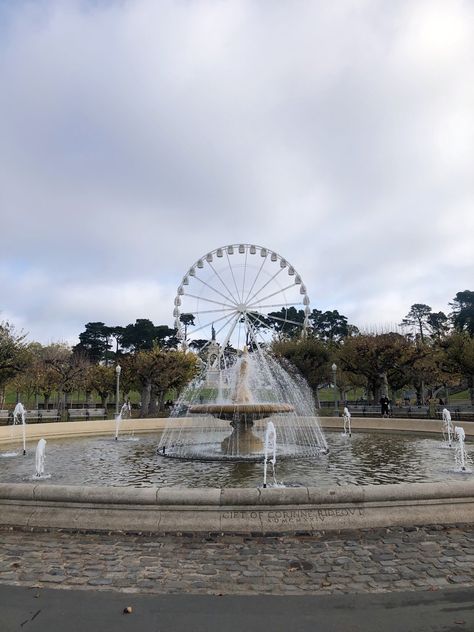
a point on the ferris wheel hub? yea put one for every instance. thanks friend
(242, 308)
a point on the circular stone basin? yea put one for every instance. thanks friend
(363, 459)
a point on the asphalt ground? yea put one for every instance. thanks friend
(55, 610)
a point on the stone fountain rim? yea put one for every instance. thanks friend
(242, 408)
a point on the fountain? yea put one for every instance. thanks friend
(270, 445)
(254, 389)
(461, 455)
(125, 411)
(346, 416)
(447, 427)
(39, 459)
(19, 416)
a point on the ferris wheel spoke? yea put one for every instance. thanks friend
(233, 276)
(280, 291)
(213, 289)
(283, 320)
(245, 273)
(214, 311)
(256, 278)
(265, 285)
(231, 331)
(228, 321)
(209, 300)
(211, 322)
(255, 333)
(231, 296)
(276, 305)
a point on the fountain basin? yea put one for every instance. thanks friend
(230, 509)
(241, 412)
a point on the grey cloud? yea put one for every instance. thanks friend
(137, 136)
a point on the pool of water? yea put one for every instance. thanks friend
(365, 458)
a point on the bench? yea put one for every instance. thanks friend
(396, 411)
(86, 413)
(6, 417)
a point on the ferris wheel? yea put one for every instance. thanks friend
(237, 295)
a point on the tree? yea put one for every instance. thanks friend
(309, 355)
(331, 326)
(418, 319)
(438, 324)
(463, 312)
(69, 367)
(186, 319)
(460, 351)
(101, 379)
(376, 357)
(13, 353)
(94, 342)
(143, 335)
(157, 371)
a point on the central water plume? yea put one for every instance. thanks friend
(247, 394)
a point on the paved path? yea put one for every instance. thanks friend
(46, 610)
(396, 559)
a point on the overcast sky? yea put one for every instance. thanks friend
(137, 135)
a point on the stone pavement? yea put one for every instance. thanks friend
(367, 561)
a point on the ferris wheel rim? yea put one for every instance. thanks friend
(240, 303)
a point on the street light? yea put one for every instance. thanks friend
(334, 369)
(118, 370)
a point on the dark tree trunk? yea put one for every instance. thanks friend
(153, 408)
(146, 392)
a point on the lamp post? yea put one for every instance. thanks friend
(118, 370)
(334, 369)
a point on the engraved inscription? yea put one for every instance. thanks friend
(291, 516)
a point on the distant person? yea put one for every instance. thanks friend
(384, 406)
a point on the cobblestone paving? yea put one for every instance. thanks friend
(396, 559)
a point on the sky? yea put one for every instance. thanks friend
(138, 135)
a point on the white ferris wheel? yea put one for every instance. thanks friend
(237, 295)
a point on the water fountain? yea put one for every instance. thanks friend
(19, 416)
(125, 411)
(255, 388)
(447, 427)
(461, 455)
(346, 416)
(39, 459)
(270, 447)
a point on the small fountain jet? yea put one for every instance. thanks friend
(346, 416)
(39, 459)
(461, 455)
(19, 417)
(447, 427)
(270, 446)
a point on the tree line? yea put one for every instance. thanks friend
(432, 351)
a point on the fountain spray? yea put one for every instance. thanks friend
(19, 416)
(461, 453)
(270, 445)
(346, 415)
(39, 458)
(447, 427)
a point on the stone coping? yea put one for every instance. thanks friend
(234, 510)
(230, 496)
